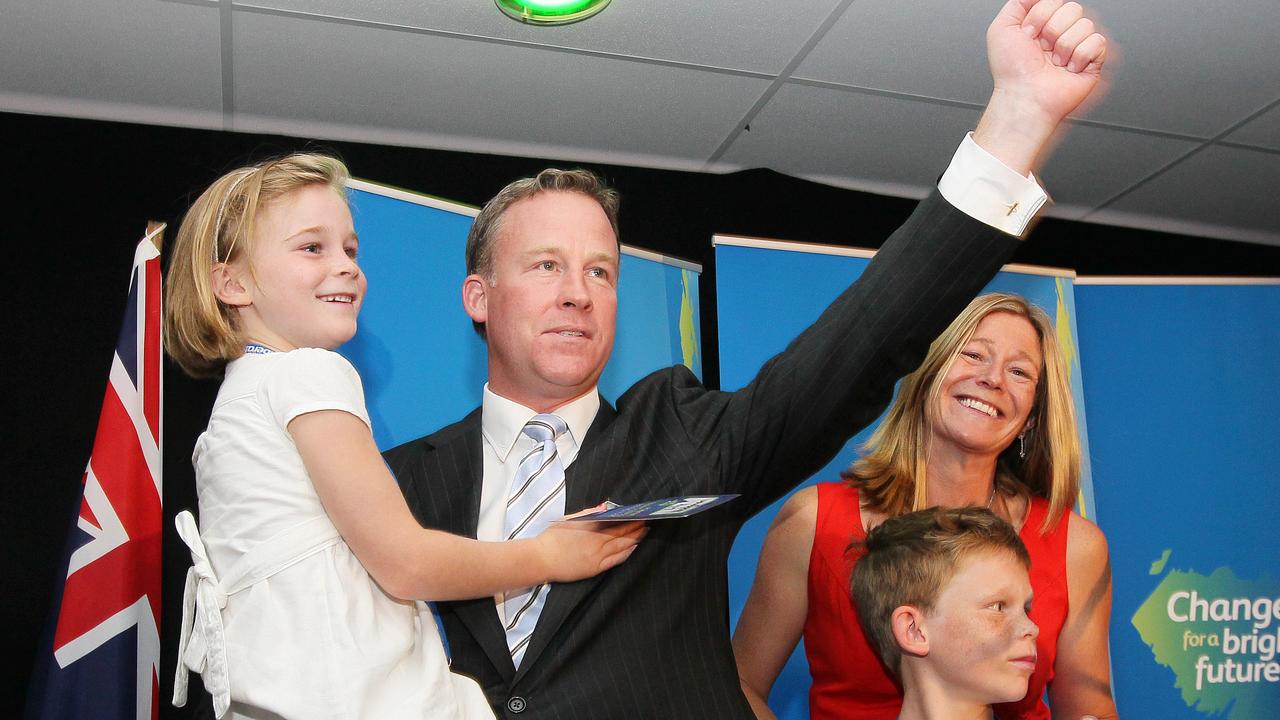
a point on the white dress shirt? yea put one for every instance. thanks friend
(987, 190)
(501, 424)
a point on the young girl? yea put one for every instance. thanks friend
(305, 543)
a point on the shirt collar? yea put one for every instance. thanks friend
(501, 420)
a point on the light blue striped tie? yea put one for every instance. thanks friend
(536, 499)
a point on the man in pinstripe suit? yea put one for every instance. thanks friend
(650, 639)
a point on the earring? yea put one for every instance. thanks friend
(1022, 445)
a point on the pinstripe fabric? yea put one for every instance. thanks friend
(650, 639)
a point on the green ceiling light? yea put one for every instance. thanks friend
(551, 12)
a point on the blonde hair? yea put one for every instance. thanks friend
(909, 559)
(200, 332)
(891, 477)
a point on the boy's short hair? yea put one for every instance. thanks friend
(909, 559)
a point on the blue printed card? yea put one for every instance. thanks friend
(666, 508)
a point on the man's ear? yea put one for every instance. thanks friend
(229, 285)
(908, 623)
(475, 298)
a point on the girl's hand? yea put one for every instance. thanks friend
(577, 550)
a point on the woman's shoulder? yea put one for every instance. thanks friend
(1085, 540)
(1078, 541)
(823, 494)
(800, 510)
(789, 541)
(824, 502)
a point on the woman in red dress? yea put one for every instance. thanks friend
(986, 420)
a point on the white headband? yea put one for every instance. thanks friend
(222, 209)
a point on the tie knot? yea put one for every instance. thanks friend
(545, 427)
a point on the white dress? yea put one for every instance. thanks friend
(280, 618)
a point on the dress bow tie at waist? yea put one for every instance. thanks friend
(202, 644)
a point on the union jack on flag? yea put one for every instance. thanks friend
(105, 653)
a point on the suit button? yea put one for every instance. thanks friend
(516, 704)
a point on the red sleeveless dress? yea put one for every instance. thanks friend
(849, 683)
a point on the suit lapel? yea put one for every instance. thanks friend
(481, 618)
(446, 477)
(586, 488)
(460, 456)
(586, 484)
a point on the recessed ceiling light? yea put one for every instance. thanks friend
(551, 12)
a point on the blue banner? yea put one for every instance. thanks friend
(1182, 396)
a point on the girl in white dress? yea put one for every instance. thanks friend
(307, 559)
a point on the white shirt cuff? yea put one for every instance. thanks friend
(985, 189)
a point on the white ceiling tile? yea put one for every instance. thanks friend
(483, 97)
(752, 35)
(934, 48)
(1189, 66)
(1262, 131)
(1220, 192)
(900, 146)
(857, 140)
(1176, 66)
(1091, 165)
(112, 52)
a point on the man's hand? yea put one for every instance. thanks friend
(1045, 53)
(1046, 57)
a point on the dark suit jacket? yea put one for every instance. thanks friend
(650, 638)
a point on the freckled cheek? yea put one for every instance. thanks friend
(987, 637)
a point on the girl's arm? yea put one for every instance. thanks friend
(1082, 671)
(773, 619)
(407, 561)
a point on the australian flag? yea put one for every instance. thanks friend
(104, 655)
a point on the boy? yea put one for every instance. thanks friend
(943, 596)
